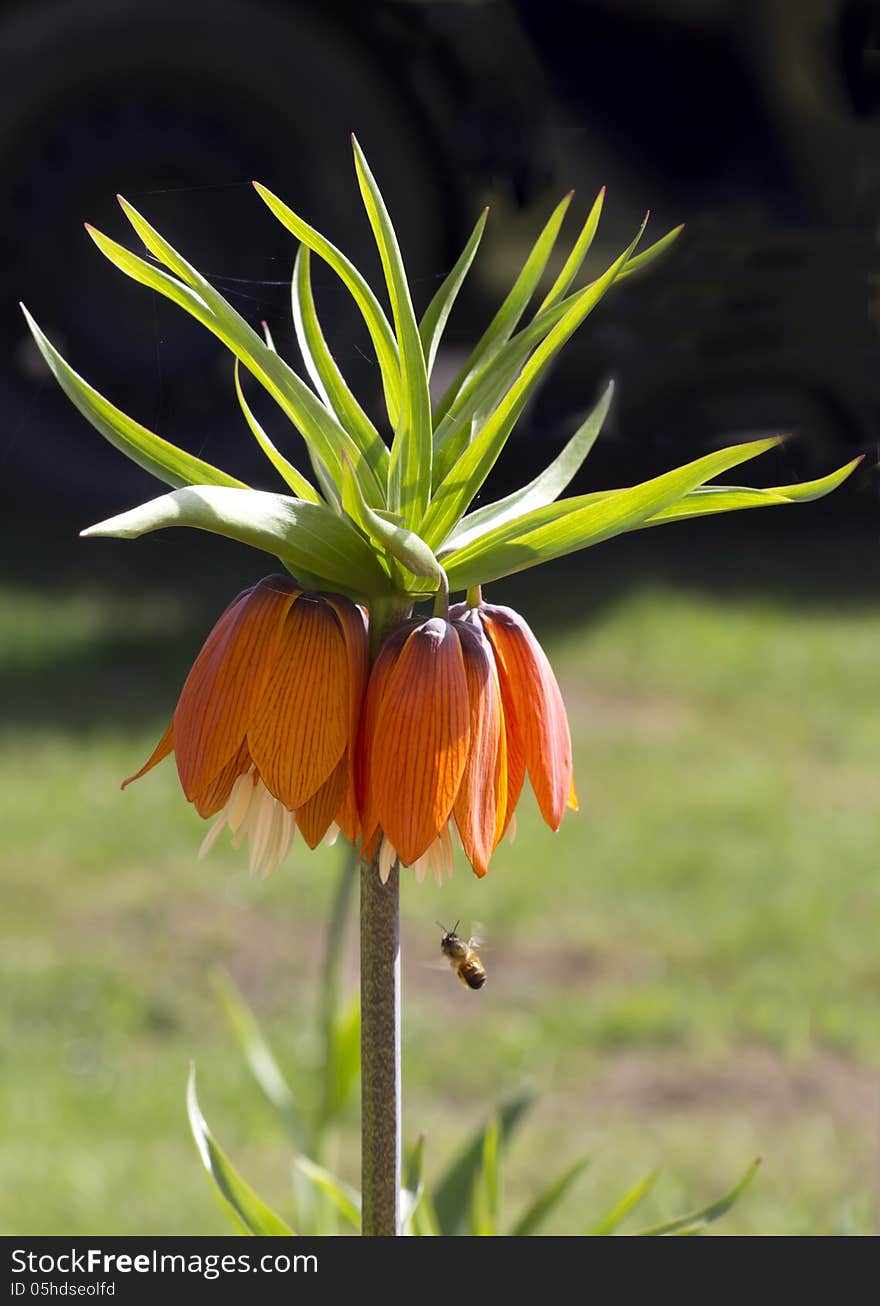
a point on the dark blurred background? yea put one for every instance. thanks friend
(756, 122)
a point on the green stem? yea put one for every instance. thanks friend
(380, 1053)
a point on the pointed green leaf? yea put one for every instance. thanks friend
(258, 1054)
(711, 499)
(697, 1221)
(621, 1209)
(409, 476)
(312, 541)
(452, 1196)
(436, 315)
(465, 478)
(545, 488)
(247, 1211)
(286, 470)
(546, 1201)
(573, 524)
(326, 376)
(371, 310)
(647, 256)
(164, 460)
(323, 435)
(504, 322)
(402, 544)
(345, 1198)
(572, 265)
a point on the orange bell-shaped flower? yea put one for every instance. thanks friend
(264, 729)
(433, 749)
(538, 737)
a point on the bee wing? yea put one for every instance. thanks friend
(478, 935)
(434, 965)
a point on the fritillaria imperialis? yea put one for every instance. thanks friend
(319, 701)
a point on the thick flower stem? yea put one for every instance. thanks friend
(380, 1053)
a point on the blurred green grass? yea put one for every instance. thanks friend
(687, 973)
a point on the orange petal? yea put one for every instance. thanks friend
(315, 817)
(482, 794)
(217, 792)
(301, 727)
(227, 679)
(420, 741)
(159, 753)
(538, 708)
(353, 621)
(347, 817)
(376, 686)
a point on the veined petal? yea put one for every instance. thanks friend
(226, 682)
(300, 729)
(538, 708)
(316, 816)
(420, 741)
(217, 792)
(353, 621)
(479, 805)
(364, 788)
(159, 753)
(347, 817)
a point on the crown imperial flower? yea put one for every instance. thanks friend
(265, 726)
(275, 728)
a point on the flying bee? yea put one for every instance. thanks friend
(462, 957)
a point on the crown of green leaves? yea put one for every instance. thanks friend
(385, 518)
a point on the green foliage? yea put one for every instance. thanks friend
(392, 503)
(248, 1213)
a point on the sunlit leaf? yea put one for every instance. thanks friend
(324, 372)
(580, 249)
(164, 460)
(467, 476)
(286, 470)
(371, 310)
(436, 315)
(545, 488)
(647, 256)
(308, 538)
(573, 524)
(324, 437)
(409, 472)
(515, 304)
(248, 1212)
(402, 544)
